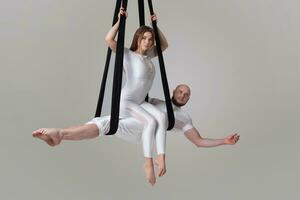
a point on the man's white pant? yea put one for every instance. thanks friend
(129, 129)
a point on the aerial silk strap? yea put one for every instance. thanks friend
(170, 112)
(142, 23)
(117, 80)
(108, 56)
(141, 12)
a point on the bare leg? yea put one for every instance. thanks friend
(81, 132)
(149, 170)
(54, 136)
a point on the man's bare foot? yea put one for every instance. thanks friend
(161, 163)
(149, 171)
(50, 135)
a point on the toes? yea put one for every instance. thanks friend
(152, 181)
(159, 172)
(44, 137)
(35, 134)
(162, 172)
(38, 135)
(38, 132)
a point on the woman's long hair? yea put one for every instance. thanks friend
(138, 35)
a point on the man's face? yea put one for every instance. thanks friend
(181, 95)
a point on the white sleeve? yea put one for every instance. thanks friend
(183, 121)
(188, 125)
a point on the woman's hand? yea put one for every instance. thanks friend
(110, 36)
(153, 18)
(122, 12)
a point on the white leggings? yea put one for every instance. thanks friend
(154, 125)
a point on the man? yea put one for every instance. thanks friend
(130, 129)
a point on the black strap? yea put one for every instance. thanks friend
(117, 81)
(171, 117)
(142, 23)
(108, 56)
(141, 12)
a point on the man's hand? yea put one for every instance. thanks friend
(232, 139)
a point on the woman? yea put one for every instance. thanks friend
(140, 72)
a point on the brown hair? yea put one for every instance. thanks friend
(138, 34)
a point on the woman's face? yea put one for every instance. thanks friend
(146, 41)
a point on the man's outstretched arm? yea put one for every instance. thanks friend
(194, 136)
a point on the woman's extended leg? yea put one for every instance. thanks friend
(160, 135)
(132, 109)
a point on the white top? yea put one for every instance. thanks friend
(139, 72)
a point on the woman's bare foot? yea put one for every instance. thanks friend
(50, 135)
(149, 171)
(161, 163)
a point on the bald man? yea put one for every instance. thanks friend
(130, 129)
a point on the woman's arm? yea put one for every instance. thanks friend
(163, 40)
(110, 36)
(194, 136)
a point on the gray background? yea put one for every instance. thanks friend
(241, 59)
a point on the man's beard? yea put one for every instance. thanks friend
(176, 103)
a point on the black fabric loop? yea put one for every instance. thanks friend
(170, 112)
(107, 61)
(117, 81)
(142, 23)
(118, 69)
(141, 12)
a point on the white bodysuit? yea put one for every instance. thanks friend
(139, 74)
(130, 129)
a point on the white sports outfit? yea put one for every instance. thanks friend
(139, 73)
(131, 129)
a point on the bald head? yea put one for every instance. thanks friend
(181, 95)
(183, 87)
